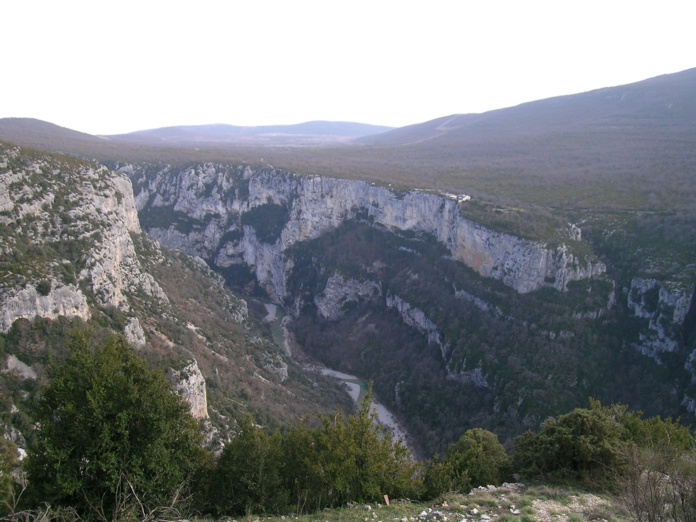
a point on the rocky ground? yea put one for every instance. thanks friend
(509, 502)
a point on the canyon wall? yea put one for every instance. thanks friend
(215, 199)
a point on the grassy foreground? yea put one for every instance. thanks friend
(510, 502)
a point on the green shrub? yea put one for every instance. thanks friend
(599, 445)
(246, 478)
(479, 453)
(310, 468)
(12, 478)
(113, 438)
(476, 459)
(43, 287)
(440, 478)
(351, 460)
(658, 483)
(585, 444)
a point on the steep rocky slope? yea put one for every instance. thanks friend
(66, 235)
(72, 254)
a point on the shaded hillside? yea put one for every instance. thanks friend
(450, 351)
(47, 136)
(611, 148)
(664, 103)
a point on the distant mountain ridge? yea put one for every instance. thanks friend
(311, 130)
(43, 135)
(632, 123)
(48, 136)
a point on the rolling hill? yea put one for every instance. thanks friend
(665, 104)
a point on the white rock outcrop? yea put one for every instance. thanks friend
(416, 318)
(664, 308)
(134, 333)
(190, 385)
(20, 368)
(67, 301)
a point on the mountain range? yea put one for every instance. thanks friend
(482, 270)
(313, 132)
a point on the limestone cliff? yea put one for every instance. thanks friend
(201, 210)
(665, 308)
(67, 301)
(65, 239)
(416, 318)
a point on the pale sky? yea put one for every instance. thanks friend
(107, 67)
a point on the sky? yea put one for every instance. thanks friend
(109, 67)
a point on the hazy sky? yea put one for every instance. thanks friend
(105, 67)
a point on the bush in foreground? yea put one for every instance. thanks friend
(476, 459)
(113, 438)
(649, 463)
(310, 468)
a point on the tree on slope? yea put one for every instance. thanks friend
(113, 438)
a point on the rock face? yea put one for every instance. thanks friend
(134, 333)
(340, 291)
(19, 368)
(664, 308)
(67, 228)
(190, 385)
(202, 211)
(416, 318)
(67, 301)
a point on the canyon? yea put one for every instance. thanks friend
(480, 270)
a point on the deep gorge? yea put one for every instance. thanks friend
(458, 325)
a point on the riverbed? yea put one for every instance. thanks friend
(354, 386)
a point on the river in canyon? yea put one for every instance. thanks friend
(354, 386)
